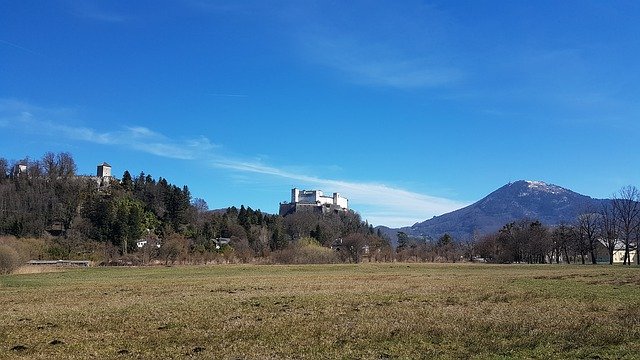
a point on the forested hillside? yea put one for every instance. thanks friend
(80, 216)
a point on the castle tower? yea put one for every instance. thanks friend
(295, 195)
(104, 170)
(19, 169)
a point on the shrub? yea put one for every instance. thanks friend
(173, 249)
(130, 260)
(305, 251)
(9, 259)
(27, 248)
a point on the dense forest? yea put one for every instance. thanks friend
(140, 219)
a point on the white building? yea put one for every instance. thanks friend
(314, 201)
(316, 197)
(103, 174)
(104, 170)
(19, 169)
(602, 253)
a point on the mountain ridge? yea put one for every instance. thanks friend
(532, 199)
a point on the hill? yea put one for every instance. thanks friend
(551, 204)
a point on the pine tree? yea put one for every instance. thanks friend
(127, 181)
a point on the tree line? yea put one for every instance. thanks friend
(426, 249)
(80, 217)
(612, 228)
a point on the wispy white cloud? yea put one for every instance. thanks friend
(17, 110)
(234, 7)
(91, 10)
(378, 65)
(398, 45)
(16, 46)
(228, 95)
(401, 45)
(393, 219)
(34, 119)
(141, 139)
(388, 204)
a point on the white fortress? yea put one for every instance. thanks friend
(313, 201)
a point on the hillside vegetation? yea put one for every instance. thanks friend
(47, 211)
(86, 217)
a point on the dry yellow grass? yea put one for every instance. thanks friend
(37, 269)
(370, 311)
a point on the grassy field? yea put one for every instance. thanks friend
(366, 311)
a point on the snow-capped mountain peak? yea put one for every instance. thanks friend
(540, 186)
(522, 199)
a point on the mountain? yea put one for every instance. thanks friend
(551, 204)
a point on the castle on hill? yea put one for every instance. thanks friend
(102, 178)
(313, 201)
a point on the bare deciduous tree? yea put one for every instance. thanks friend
(588, 232)
(4, 169)
(627, 213)
(353, 247)
(608, 229)
(50, 165)
(66, 165)
(562, 239)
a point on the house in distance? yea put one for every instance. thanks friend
(313, 201)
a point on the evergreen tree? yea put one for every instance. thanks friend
(127, 181)
(403, 241)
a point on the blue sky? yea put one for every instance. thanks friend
(410, 109)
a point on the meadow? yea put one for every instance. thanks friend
(359, 311)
